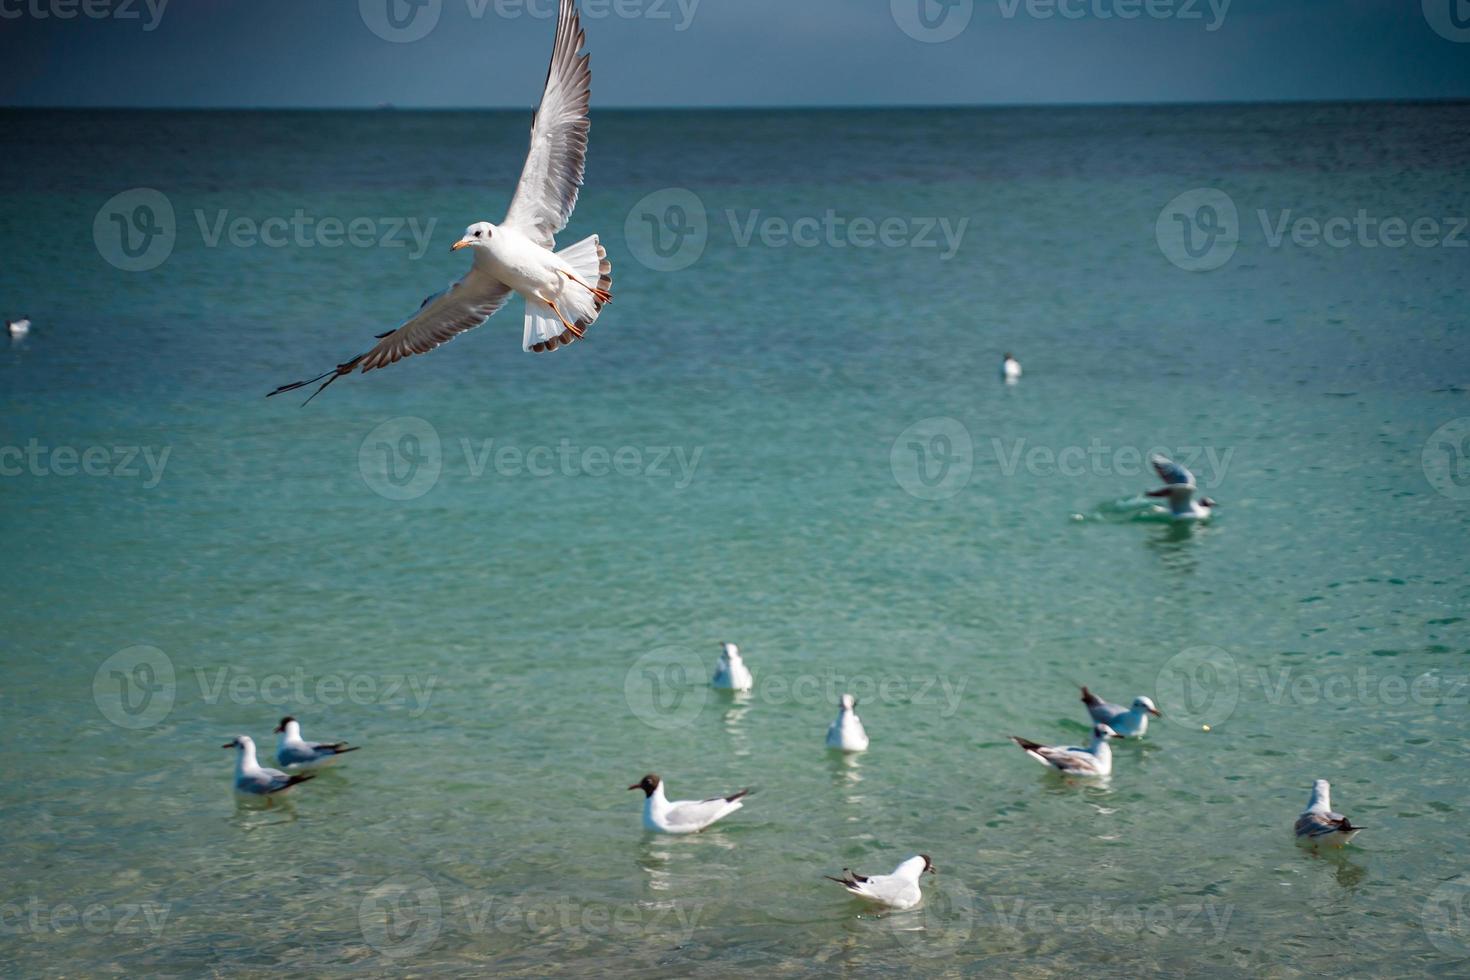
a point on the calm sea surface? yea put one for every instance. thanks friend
(505, 576)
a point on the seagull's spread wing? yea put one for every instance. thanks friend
(1171, 472)
(547, 193)
(463, 306)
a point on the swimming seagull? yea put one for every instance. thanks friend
(846, 733)
(731, 674)
(1095, 760)
(251, 778)
(1180, 489)
(564, 291)
(293, 750)
(1318, 825)
(1010, 370)
(19, 327)
(899, 890)
(1127, 722)
(682, 816)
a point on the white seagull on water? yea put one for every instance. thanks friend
(253, 779)
(682, 816)
(564, 291)
(293, 750)
(846, 733)
(1127, 722)
(1180, 489)
(1318, 825)
(899, 890)
(731, 674)
(18, 328)
(1095, 760)
(1010, 370)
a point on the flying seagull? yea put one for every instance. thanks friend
(564, 291)
(1318, 825)
(1127, 722)
(253, 779)
(1179, 488)
(682, 816)
(1095, 760)
(899, 890)
(293, 750)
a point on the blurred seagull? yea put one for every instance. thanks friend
(252, 779)
(18, 328)
(899, 890)
(682, 816)
(1180, 489)
(1095, 760)
(1318, 825)
(1010, 370)
(731, 674)
(1127, 722)
(846, 733)
(564, 291)
(293, 750)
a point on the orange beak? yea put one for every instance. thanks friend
(463, 242)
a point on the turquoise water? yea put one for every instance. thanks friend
(517, 629)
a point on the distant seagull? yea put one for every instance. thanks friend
(564, 291)
(1010, 370)
(252, 779)
(293, 750)
(682, 816)
(899, 890)
(1318, 826)
(1127, 722)
(1180, 489)
(18, 328)
(1095, 760)
(847, 733)
(731, 674)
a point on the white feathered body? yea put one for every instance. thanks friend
(683, 816)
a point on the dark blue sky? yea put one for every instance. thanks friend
(476, 53)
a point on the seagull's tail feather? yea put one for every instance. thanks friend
(342, 747)
(332, 375)
(1088, 698)
(1026, 743)
(581, 299)
(293, 780)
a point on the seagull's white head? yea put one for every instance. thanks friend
(1207, 502)
(290, 727)
(240, 742)
(848, 702)
(730, 653)
(1104, 732)
(478, 234)
(1142, 703)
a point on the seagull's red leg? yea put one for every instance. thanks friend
(570, 326)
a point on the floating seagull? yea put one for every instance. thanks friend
(1318, 825)
(682, 816)
(18, 328)
(899, 890)
(564, 291)
(251, 778)
(293, 750)
(846, 732)
(1127, 722)
(1183, 506)
(1010, 370)
(731, 674)
(1095, 760)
